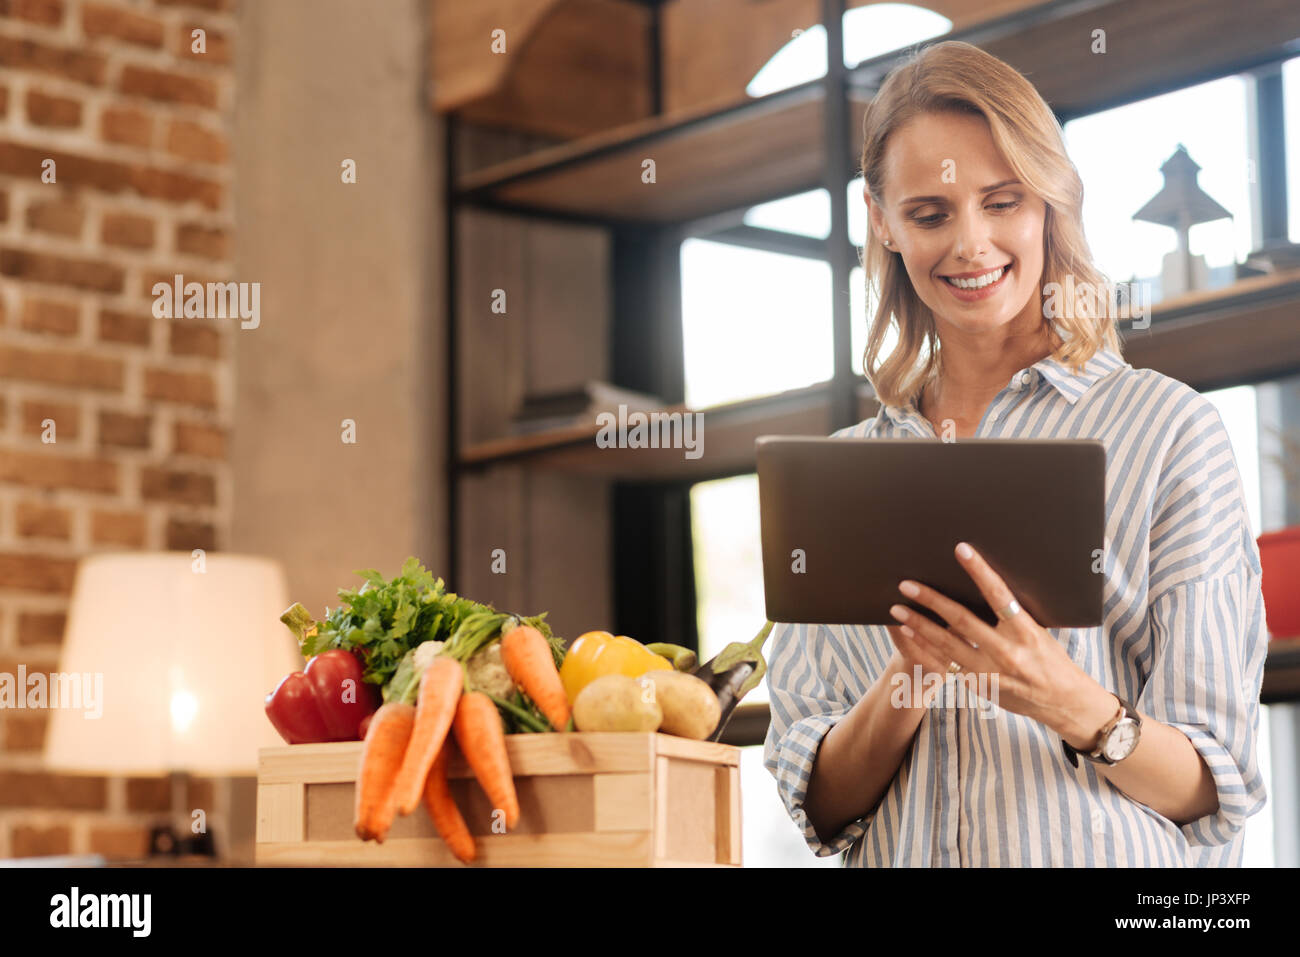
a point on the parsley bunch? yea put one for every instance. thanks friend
(383, 620)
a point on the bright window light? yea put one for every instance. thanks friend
(868, 32)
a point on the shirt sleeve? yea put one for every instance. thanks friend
(1208, 633)
(806, 701)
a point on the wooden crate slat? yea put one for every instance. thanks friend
(623, 801)
(614, 849)
(280, 810)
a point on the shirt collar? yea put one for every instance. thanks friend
(1061, 376)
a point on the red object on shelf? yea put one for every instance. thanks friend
(1279, 556)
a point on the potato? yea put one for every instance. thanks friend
(617, 703)
(691, 709)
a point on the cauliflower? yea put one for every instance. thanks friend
(425, 652)
(488, 674)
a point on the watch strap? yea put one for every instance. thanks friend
(1097, 754)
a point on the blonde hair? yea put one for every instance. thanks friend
(957, 77)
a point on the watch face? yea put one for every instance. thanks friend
(1122, 740)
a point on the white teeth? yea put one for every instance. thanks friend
(979, 282)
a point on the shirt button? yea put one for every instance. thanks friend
(1025, 378)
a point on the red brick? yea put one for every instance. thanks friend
(48, 790)
(183, 536)
(126, 125)
(195, 438)
(37, 573)
(123, 430)
(182, 488)
(193, 141)
(176, 187)
(128, 327)
(211, 242)
(62, 217)
(34, 520)
(148, 794)
(110, 176)
(127, 229)
(18, 159)
(198, 4)
(120, 843)
(27, 840)
(47, 315)
(100, 20)
(168, 86)
(61, 270)
(118, 528)
(195, 337)
(46, 470)
(59, 111)
(4, 101)
(216, 45)
(46, 13)
(25, 731)
(74, 369)
(72, 64)
(66, 416)
(190, 388)
(4, 205)
(200, 793)
(41, 627)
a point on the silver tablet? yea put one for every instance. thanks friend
(845, 520)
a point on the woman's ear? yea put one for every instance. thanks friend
(876, 216)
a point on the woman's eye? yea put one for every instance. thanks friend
(929, 220)
(1008, 205)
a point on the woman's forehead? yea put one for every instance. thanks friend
(945, 152)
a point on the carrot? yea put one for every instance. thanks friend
(446, 816)
(528, 659)
(440, 689)
(386, 741)
(483, 742)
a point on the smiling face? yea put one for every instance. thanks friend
(954, 210)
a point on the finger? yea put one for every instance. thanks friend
(989, 582)
(916, 651)
(958, 617)
(940, 643)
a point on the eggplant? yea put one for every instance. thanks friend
(733, 672)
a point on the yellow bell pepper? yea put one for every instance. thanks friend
(599, 653)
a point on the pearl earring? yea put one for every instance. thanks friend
(886, 242)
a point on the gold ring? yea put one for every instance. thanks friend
(954, 668)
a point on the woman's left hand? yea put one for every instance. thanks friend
(1035, 675)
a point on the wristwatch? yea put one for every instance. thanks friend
(1116, 741)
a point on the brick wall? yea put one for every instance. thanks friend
(138, 126)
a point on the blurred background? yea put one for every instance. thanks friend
(465, 223)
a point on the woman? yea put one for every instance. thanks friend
(1128, 744)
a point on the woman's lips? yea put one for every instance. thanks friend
(984, 292)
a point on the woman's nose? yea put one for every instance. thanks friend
(972, 239)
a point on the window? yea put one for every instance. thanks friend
(1119, 153)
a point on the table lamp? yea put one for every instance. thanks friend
(185, 649)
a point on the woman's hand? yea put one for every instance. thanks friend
(1035, 675)
(910, 654)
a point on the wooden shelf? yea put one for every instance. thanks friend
(713, 160)
(1249, 327)
(728, 433)
(1281, 672)
(708, 161)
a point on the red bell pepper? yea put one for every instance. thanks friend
(326, 701)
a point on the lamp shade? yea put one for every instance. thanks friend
(185, 650)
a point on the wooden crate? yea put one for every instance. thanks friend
(585, 800)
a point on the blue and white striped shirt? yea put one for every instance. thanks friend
(1183, 640)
